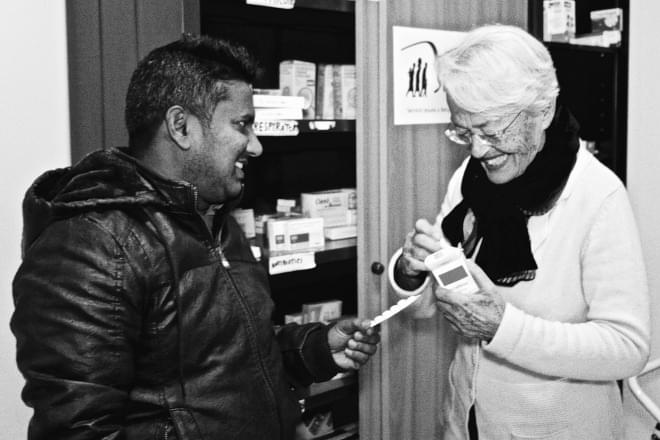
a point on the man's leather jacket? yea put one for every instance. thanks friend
(133, 320)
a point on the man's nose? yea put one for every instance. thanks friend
(254, 147)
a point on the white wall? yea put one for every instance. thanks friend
(644, 180)
(35, 122)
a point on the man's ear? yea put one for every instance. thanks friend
(177, 121)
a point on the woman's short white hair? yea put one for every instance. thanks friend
(498, 70)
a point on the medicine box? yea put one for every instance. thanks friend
(345, 96)
(298, 78)
(325, 311)
(325, 108)
(352, 206)
(294, 233)
(558, 20)
(293, 317)
(341, 232)
(331, 205)
(606, 20)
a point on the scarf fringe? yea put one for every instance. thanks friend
(510, 280)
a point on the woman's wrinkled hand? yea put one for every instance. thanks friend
(475, 315)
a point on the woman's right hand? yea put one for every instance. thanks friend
(424, 240)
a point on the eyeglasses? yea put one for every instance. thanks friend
(463, 136)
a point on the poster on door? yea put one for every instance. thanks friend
(418, 96)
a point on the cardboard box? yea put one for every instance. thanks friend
(277, 101)
(271, 113)
(294, 233)
(325, 108)
(352, 206)
(344, 91)
(298, 78)
(331, 205)
(286, 205)
(606, 20)
(326, 311)
(293, 317)
(558, 20)
(341, 232)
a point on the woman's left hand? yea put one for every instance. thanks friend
(476, 315)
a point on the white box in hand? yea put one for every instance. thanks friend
(450, 270)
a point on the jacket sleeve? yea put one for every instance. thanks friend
(75, 329)
(305, 352)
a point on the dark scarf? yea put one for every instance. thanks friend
(501, 211)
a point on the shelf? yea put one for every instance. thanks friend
(316, 389)
(327, 5)
(581, 47)
(333, 250)
(285, 127)
(334, 392)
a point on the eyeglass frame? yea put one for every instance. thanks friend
(493, 140)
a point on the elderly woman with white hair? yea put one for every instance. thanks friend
(562, 310)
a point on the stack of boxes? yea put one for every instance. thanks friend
(271, 104)
(337, 208)
(328, 89)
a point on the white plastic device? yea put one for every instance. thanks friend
(396, 308)
(450, 270)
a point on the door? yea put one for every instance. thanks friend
(402, 172)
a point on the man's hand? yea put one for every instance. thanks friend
(352, 342)
(476, 315)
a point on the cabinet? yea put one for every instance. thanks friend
(403, 171)
(593, 82)
(320, 157)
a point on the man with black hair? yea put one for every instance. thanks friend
(140, 309)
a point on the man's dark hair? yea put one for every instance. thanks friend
(186, 73)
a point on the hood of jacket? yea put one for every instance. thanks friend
(104, 179)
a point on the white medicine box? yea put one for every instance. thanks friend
(298, 78)
(291, 234)
(331, 205)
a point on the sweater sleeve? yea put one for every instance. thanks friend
(613, 342)
(74, 326)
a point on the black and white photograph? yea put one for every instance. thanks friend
(330, 220)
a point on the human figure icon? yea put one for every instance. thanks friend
(411, 75)
(423, 91)
(417, 72)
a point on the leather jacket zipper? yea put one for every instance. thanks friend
(217, 249)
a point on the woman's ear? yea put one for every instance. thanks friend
(548, 113)
(177, 121)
